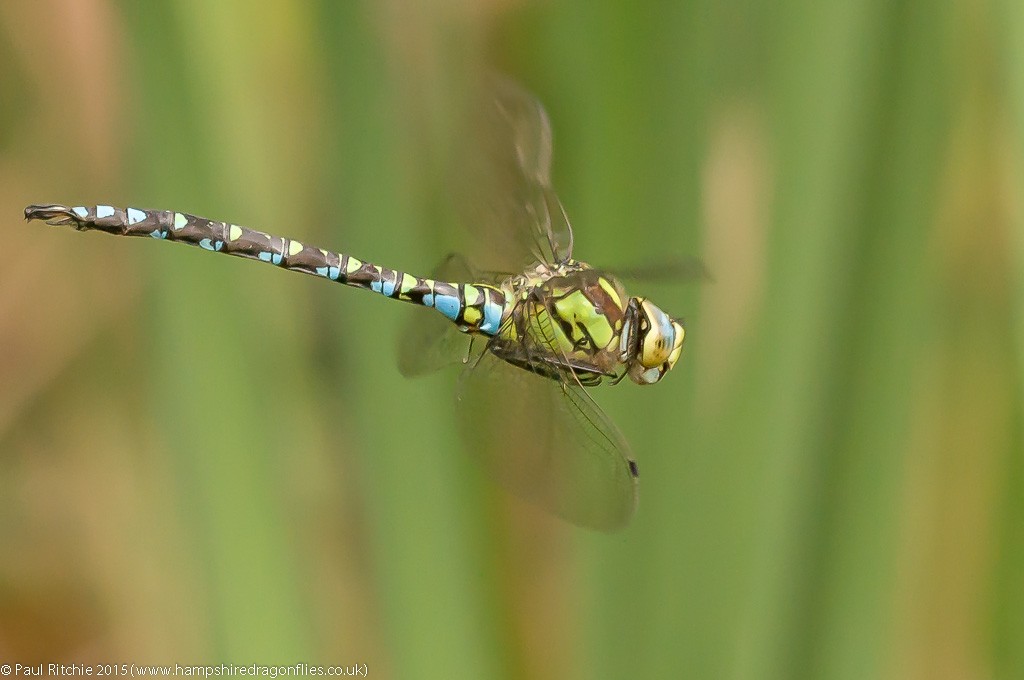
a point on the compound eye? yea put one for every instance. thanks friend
(659, 341)
(677, 348)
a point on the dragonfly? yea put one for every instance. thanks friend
(533, 340)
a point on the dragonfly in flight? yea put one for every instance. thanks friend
(535, 339)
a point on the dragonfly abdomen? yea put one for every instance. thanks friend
(475, 308)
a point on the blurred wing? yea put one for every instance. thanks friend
(549, 443)
(676, 270)
(429, 341)
(510, 204)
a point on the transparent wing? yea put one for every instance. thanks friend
(530, 133)
(429, 341)
(549, 443)
(673, 270)
(508, 200)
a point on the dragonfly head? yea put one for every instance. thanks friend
(651, 341)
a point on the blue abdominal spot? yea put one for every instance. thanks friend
(447, 305)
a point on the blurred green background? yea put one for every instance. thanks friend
(201, 459)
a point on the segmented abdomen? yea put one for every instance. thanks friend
(475, 308)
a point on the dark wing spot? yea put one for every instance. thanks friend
(634, 469)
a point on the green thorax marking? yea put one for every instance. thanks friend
(567, 313)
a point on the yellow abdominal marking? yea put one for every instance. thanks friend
(408, 283)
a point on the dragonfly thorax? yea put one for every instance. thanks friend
(564, 319)
(568, 317)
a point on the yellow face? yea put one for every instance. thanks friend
(659, 342)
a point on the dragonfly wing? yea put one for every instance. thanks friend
(429, 341)
(674, 270)
(549, 443)
(507, 200)
(529, 130)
